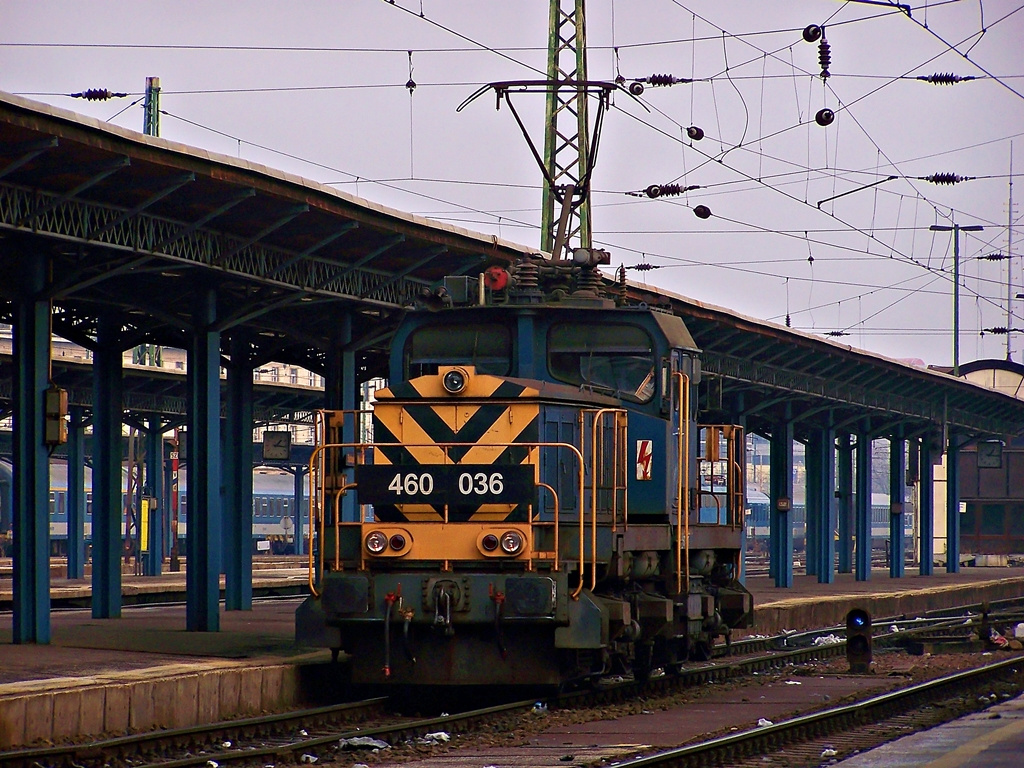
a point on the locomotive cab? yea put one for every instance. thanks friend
(515, 516)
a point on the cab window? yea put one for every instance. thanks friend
(487, 346)
(613, 359)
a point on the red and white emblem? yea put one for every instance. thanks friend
(644, 459)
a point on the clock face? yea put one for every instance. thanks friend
(990, 455)
(277, 446)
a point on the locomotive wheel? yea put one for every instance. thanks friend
(643, 655)
(700, 650)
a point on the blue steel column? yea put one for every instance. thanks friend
(340, 393)
(812, 501)
(926, 507)
(238, 478)
(204, 471)
(106, 470)
(825, 493)
(952, 504)
(31, 520)
(845, 502)
(740, 419)
(897, 493)
(155, 490)
(863, 506)
(349, 402)
(76, 493)
(781, 494)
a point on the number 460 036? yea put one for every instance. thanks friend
(468, 484)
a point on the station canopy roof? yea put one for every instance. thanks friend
(138, 227)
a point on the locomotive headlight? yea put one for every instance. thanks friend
(511, 542)
(454, 382)
(376, 542)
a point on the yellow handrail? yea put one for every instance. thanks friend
(683, 485)
(319, 450)
(595, 429)
(554, 496)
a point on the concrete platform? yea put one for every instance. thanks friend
(143, 670)
(993, 738)
(809, 604)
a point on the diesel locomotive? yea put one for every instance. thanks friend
(537, 503)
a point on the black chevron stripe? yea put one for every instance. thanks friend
(509, 390)
(404, 390)
(386, 442)
(471, 431)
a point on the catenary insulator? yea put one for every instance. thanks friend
(695, 133)
(667, 80)
(702, 212)
(997, 329)
(945, 178)
(948, 78)
(643, 267)
(824, 57)
(994, 257)
(811, 33)
(824, 117)
(97, 94)
(837, 333)
(665, 190)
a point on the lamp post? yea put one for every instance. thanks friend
(956, 229)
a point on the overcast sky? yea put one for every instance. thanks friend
(319, 89)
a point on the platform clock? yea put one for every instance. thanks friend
(277, 446)
(990, 455)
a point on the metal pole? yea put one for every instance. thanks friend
(1009, 266)
(956, 300)
(955, 229)
(151, 107)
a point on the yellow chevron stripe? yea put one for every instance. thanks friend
(492, 513)
(409, 433)
(505, 429)
(420, 513)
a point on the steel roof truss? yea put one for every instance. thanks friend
(289, 214)
(29, 150)
(103, 170)
(342, 230)
(432, 254)
(178, 182)
(188, 229)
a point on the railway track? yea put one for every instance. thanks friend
(273, 738)
(844, 729)
(314, 732)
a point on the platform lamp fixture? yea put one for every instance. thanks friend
(956, 229)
